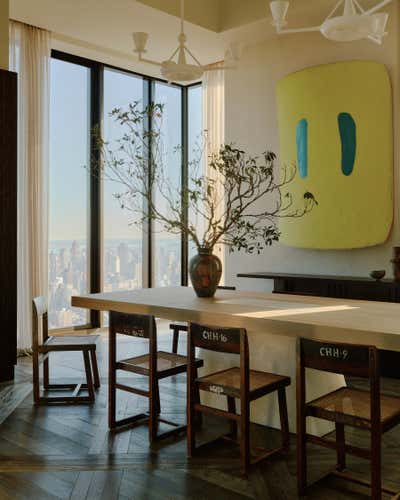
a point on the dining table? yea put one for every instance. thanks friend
(274, 323)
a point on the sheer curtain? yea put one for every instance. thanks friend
(30, 57)
(213, 98)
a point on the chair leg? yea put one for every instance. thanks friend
(157, 403)
(95, 369)
(199, 415)
(340, 447)
(46, 377)
(154, 403)
(191, 418)
(89, 379)
(232, 409)
(376, 478)
(112, 380)
(301, 456)
(175, 340)
(36, 387)
(244, 436)
(283, 414)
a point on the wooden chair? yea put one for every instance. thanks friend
(155, 365)
(42, 349)
(183, 327)
(241, 383)
(365, 409)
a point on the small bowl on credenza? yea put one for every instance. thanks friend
(377, 275)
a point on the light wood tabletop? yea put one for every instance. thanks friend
(364, 322)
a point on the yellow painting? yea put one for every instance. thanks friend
(335, 124)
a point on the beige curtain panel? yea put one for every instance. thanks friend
(30, 53)
(213, 98)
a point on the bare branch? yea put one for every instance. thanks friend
(221, 202)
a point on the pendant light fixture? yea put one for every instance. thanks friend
(177, 68)
(353, 23)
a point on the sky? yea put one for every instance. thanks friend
(69, 145)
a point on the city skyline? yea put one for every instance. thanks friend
(122, 270)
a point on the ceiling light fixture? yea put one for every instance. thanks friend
(354, 24)
(177, 68)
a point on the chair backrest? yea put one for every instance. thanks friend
(215, 338)
(345, 359)
(134, 325)
(39, 321)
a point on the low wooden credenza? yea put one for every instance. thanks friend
(341, 287)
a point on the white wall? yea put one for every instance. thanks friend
(251, 122)
(4, 34)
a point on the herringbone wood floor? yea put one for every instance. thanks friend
(67, 452)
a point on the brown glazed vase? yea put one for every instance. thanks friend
(205, 271)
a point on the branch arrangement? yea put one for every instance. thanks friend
(220, 206)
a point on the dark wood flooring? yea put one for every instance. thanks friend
(67, 451)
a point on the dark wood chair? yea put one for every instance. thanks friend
(234, 383)
(43, 345)
(155, 365)
(183, 327)
(364, 409)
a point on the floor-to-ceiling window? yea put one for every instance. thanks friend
(167, 247)
(123, 242)
(68, 224)
(196, 161)
(93, 245)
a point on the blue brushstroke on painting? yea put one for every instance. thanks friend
(347, 129)
(302, 147)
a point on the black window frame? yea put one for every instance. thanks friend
(95, 215)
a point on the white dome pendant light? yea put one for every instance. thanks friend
(180, 70)
(354, 24)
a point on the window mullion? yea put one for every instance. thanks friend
(184, 184)
(148, 88)
(95, 191)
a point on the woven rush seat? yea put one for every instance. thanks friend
(71, 342)
(227, 382)
(353, 407)
(167, 363)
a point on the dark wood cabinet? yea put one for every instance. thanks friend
(8, 224)
(342, 287)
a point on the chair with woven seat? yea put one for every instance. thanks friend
(364, 409)
(234, 383)
(156, 365)
(41, 350)
(178, 327)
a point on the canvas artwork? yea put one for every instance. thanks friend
(335, 123)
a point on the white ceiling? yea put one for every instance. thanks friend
(105, 26)
(109, 24)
